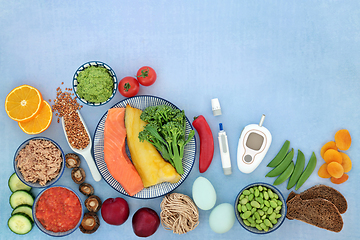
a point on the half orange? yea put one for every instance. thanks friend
(23, 103)
(40, 122)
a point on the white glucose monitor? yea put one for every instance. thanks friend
(253, 145)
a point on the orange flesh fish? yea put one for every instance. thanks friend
(116, 159)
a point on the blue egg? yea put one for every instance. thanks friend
(222, 218)
(203, 193)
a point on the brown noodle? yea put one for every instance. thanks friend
(179, 213)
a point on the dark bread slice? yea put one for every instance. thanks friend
(328, 193)
(290, 196)
(318, 212)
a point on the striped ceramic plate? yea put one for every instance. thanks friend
(141, 102)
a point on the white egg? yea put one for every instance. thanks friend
(222, 218)
(203, 193)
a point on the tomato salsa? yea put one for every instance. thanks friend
(58, 209)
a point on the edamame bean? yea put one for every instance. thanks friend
(253, 210)
(246, 222)
(251, 197)
(258, 227)
(246, 215)
(248, 206)
(256, 193)
(271, 194)
(260, 188)
(255, 204)
(251, 190)
(262, 225)
(243, 208)
(267, 222)
(273, 204)
(244, 201)
(246, 192)
(266, 196)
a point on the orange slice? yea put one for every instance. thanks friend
(23, 103)
(41, 121)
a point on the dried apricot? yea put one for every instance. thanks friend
(340, 180)
(323, 173)
(332, 155)
(327, 146)
(335, 169)
(346, 162)
(343, 139)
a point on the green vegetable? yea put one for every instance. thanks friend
(282, 165)
(299, 167)
(254, 213)
(95, 84)
(166, 131)
(26, 209)
(281, 155)
(307, 172)
(20, 223)
(285, 175)
(21, 197)
(16, 184)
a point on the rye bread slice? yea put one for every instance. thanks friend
(318, 212)
(328, 193)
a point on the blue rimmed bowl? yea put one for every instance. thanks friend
(94, 64)
(57, 233)
(37, 184)
(279, 221)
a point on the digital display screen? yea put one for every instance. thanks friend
(254, 141)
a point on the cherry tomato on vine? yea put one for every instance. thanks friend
(129, 86)
(146, 76)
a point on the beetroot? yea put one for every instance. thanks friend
(115, 211)
(145, 222)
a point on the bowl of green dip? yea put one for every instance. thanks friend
(95, 83)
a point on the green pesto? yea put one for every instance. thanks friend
(95, 84)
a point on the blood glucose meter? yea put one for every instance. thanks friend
(253, 145)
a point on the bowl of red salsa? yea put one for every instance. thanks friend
(58, 211)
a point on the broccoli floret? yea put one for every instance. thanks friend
(166, 131)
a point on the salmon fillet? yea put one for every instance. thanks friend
(116, 159)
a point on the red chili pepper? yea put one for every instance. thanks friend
(206, 142)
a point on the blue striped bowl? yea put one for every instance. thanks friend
(141, 102)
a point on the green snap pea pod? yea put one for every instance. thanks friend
(299, 168)
(281, 155)
(282, 166)
(285, 175)
(307, 172)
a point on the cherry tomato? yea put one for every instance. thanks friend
(146, 76)
(129, 86)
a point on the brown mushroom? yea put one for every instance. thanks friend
(78, 175)
(93, 203)
(72, 160)
(90, 223)
(86, 189)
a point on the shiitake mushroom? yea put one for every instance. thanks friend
(86, 189)
(90, 223)
(93, 203)
(78, 175)
(72, 160)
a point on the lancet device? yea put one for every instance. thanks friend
(253, 145)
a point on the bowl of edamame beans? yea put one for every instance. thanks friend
(260, 208)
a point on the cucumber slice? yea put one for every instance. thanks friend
(21, 197)
(20, 223)
(16, 184)
(26, 209)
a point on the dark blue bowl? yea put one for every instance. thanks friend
(97, 64)
(36, 184)
(51, 233)
(282, 212)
